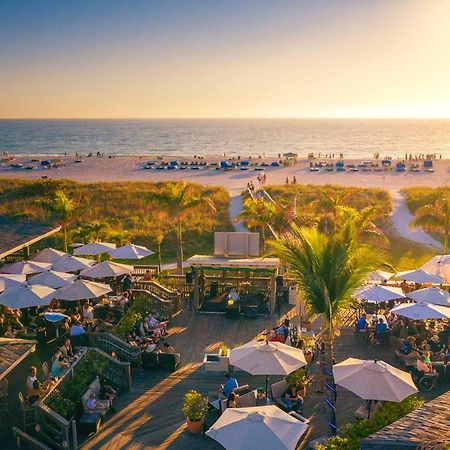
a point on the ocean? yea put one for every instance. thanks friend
(354, 138)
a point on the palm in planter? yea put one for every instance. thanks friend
(194, 409)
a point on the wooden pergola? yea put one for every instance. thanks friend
(268, 267)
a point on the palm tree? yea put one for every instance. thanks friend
(259, 213)
(435, 217)
(119, 237)
(329, 204)
(327, 269)
(91, 232)
(62, 208)
(181, 201)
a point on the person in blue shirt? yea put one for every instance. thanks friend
(361, 324)
(380, 331)
(230, 384)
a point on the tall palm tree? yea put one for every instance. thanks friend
(91, 232)
(180, 200)
(435, 217)
(62, 208)
(327, 269)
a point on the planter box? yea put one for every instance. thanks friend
(212, 362)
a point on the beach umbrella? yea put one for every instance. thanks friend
(419, 276)
(130, 251)
(267, 358)
(55, 317)
(72, 264)
(421, 311)
(48, 255)
(94, 248)
(290, 155)
(27, 296)
(107, 269)
(379, 276)
(378, 294)
(8, 281)
(258, 427)
(25, 267)
(439, 265)
(82, 290)
(432, 295)
(374, 380)
(53, 279)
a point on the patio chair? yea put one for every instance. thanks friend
(45, 370)
(28, 412)
(4, 406)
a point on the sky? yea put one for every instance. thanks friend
(224, 58)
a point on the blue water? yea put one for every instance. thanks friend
(353, 138)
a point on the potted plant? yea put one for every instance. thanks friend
(194, 409)
(300, 378)
(224, 351)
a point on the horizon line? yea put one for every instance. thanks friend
(232, 118)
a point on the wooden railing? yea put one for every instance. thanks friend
(59, 432)
(140, 271)
(164, 298)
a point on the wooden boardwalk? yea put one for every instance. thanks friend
(150, 416)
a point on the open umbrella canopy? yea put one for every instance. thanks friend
(432, 295)
(48, 255)
(8, 281)
(130, 251)
(378, 294)
(107, 269)
(267, 358)
(374, 380)
(419, 276)
(439, 265)
(82, 290)
(27, 296)
(72, 264)
(290, 155)
(54, 317)
(260, 427)
(94, 248)
(25, 267)
(379, 276)
(422, 311)
(53, 279)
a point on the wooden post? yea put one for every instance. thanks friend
(273, 291)
(196, 290)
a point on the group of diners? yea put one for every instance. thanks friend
(279, 333)
(147, 332)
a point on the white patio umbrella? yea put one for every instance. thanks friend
(48, 255)
(432, 295)
(94, 248)
(419, 276)
(107, 269)
(439, 265)
(379, 276)
(10, 281)
(82, 290)
(25, 267)
(259, 427)
(130, 251)
(72, 264)
(378, 294)
(267, 358)
(374, 380)
(53, 279)
(27, 296)
(422, 311)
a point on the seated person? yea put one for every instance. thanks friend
(74, 315)
(95, 406)
(64, 326)
(77, 329)
(147, 276)
(292, 399)
(9, 333)
(278, 336)
(409, 346)
(124, 300)
(68, 346)
(167, 348)
(232, 400)
(436, 348)
(58, 366)
(362, 325)
(131, 341)
(380, 331)
(230, 384)
(261, 399)
(36, 391)
(424, 365)
(88, 312)
(107, 393)
(108, 322)
(32, 377)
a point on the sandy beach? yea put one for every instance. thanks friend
(131, 169)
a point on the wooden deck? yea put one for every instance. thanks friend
(150, 416)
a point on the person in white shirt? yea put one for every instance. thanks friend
(88, 312)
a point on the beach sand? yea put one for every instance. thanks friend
(130, 169)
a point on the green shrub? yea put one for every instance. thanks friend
(194, 406)
(62, 406)
(135, 313)
(351, 435)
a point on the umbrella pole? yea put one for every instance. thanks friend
(267, 388)
(368, 409)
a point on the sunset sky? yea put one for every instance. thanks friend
(224, 58)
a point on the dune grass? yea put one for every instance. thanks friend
(123, 206)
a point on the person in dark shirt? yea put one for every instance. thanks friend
(292, 398)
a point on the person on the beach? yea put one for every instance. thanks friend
(294, 180)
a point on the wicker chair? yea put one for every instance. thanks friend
(45, 370)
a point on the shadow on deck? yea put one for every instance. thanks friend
(151, 416)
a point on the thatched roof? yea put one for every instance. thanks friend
(429, 424)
